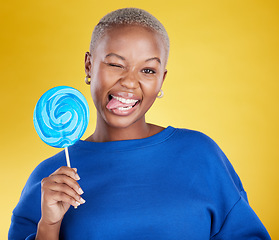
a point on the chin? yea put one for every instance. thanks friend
(122, 121)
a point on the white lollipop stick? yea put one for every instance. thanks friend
(68, 160)
(67, 157)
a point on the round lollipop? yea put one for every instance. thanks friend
(61, 117)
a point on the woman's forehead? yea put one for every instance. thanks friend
(131, 39)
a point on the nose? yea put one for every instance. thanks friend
(130, 80)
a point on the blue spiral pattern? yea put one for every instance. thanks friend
(61, 116)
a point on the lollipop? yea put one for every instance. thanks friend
(61, 117)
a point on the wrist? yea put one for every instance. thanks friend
(48, 231)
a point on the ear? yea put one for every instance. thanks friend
(87, 63)
(165, 74)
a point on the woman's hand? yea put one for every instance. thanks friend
(59, 191)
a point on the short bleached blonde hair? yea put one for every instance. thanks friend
(129, 16)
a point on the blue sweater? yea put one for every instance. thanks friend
(177, 184)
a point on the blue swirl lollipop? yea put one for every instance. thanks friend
(61, 117)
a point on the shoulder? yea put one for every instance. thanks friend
(44, 169)
(28, 207)
(195, 140)
(207, 156)
(199, 147)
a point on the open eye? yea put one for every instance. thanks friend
(148, 71)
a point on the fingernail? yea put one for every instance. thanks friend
(82, 200)
(77, 203)
(75, 169)
(77, 177)
(80, 191)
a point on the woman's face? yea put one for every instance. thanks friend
(127, 71)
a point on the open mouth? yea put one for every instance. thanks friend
(121, 104)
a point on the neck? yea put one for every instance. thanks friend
(107, 133)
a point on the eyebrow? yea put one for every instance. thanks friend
(122, 58)
(115, 55)
(154, 58)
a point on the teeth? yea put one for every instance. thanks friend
(124, 108)
(124, 100)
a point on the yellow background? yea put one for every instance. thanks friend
(222, 80)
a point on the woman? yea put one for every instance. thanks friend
(140, 181)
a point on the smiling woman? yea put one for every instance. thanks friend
(126, 63)
(139, 180)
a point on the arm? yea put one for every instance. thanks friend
(242, 223)
(232, 217)
(46, 231)
(58, 192)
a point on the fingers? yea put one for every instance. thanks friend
(70, 172)
(67, 198)
(66, 187)
(65, 180)
(62, 186)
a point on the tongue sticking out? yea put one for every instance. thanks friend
(114, 103)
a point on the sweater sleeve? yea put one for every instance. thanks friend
(242, 223)
(27, 213)
(22, 228)
(233, 218)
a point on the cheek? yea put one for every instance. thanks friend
(97, 88)
(101, 83)
(94, 92)
(151, 88)
(105, 78)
